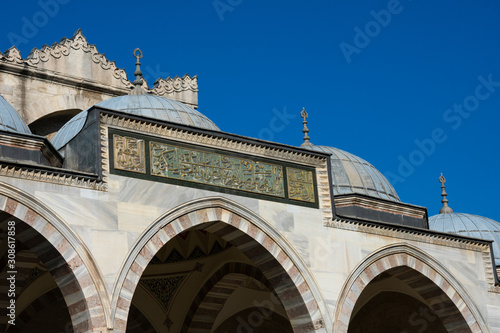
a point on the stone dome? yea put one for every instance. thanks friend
(10, 120)
(469, 225)
(351, 174)
(150, 106)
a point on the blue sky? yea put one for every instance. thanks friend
(413, 87)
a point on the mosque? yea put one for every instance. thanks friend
(125, 209)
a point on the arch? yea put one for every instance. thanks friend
(214, 293)
(49, 124)
(274, 257)
(65, 255)
(396, 258)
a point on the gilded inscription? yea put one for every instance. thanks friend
(215, 169)
(300, 185)
(129, 154)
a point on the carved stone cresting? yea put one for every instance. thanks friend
(129, 154)
(77, 42)
(215, 169)
(13, 55)
(176, 84)
(300, 185)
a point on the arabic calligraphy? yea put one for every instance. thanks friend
(215, 169)
(300, 185)
(129, 154)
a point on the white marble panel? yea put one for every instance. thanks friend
(110, 249)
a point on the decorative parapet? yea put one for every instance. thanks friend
(40, 57)
(73, 59)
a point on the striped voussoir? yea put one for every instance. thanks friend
(214, 294)
(427, 282)
(63, 263)
(284, 277)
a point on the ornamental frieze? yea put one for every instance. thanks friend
(161, 160)
(209, 168)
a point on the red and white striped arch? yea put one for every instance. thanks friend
(66, 259)
(217, 215)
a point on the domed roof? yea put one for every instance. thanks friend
(151, 106)
(351, 174)
(469, 225)
(10, 120)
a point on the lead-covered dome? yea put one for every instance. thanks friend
(351, 174)
(150, 106)
(469, 225)
(10, 120)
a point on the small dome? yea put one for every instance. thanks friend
(469, 225)
(150, 106)
(10, 120)
(351, 174)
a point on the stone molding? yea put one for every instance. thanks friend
(386, 206)
(413, 234)
(32, 142)
(83, 269)
(211, 140)
(398, 255)
(216, 209)
(53, 176)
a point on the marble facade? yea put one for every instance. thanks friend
(99, 233)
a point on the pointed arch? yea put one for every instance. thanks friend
(273, 255)
(215, 292)
(67, 258)
(401, 256)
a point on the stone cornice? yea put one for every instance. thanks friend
(411, 233)
(50, 175)
(382, 205)
(32, 142)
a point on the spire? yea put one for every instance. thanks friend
(445, 209)
(305, 130)
(138, 89)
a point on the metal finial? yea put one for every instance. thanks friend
(445, 209)
(305, 130)
(138, 89)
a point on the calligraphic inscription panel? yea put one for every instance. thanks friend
(300, 185)
(129, 154)
(210, 168)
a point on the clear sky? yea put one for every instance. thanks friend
(411, 86)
